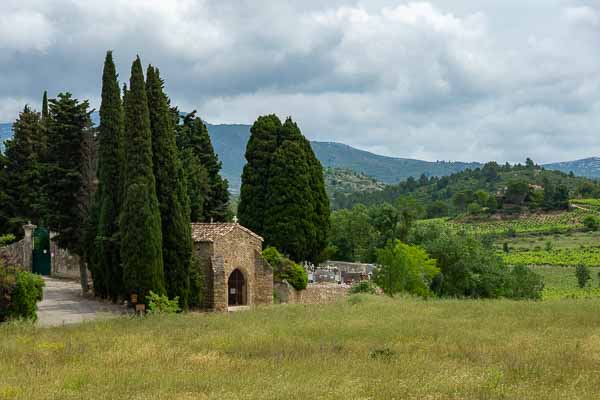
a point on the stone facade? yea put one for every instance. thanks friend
(223, 248)
(313, 294)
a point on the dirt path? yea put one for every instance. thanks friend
(64, 304)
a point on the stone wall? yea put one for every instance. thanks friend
(313, 294)
(13, 253)
(64, 264)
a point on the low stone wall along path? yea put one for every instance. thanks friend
(64, 304)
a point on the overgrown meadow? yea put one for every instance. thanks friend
(366, 347)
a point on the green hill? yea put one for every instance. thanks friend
(491, 179)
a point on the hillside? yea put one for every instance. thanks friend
(490, 179)
(340, 181)
(589, 167)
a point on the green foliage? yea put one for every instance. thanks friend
(197, 284)
(7, 239)
(286, 269)
(591, 223)
(283, 194)
(22, 196)
(363, 287)
(469, 268)
(69, 121)
(404, 268)
(19, 292)
(193, 138)
(352, 235)
(524, 284)
(171, 191)
(140, 222)
(516, 191)
(106, 268)
(160, 304)
(259, 152)
(583, 275)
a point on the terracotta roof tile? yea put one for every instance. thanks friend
(208, 232)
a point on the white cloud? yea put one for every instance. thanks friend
(439, 80)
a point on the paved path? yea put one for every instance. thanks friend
(64, 304)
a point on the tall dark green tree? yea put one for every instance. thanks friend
(283, 193)
(171, 190)
(140, 222)
(288, 224)
(108, 272)
(69, 122)
(24, 171)
(259, 152)
(45, 107)
(193, 136)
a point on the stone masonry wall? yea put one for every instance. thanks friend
(64, 264)
(313, 294)
(13, 253)
(241, 250)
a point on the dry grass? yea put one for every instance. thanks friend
(366, 348)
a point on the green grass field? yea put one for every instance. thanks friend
(364, 348)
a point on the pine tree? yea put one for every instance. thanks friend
(24, 171)
(171, 190)
(140, 222)
(108, 273)
(69, 120)
(193, 135)
(259, 152)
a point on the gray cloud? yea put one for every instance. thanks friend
(457, 80)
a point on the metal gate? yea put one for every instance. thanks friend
(41, 252)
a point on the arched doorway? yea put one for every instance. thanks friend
(236, 289)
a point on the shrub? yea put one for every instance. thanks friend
(19, 293)
(363, 287)
(505, 247)
(160, 304)
(583, 275)
(591, 223)
(548, 246)
(524, 284)
(404, 268)
(7, 239)
(286, 269)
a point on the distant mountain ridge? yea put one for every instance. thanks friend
(229, 141)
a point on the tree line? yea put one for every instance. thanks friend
(122, 195)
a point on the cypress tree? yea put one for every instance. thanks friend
(255, 176)
(140, 223)
(45, 107)
(108, 273)
(321, 206)
(288, 225)
(283, 194)
(69, 122)
(171, 190)
(193, 135)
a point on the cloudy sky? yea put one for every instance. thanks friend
(444, 79)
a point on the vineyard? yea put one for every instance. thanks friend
(561, 283)
(588, 256)
(548, 223)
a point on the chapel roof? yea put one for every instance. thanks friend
(209, 232)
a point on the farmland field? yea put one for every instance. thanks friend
(363, 348)
(561, 283)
